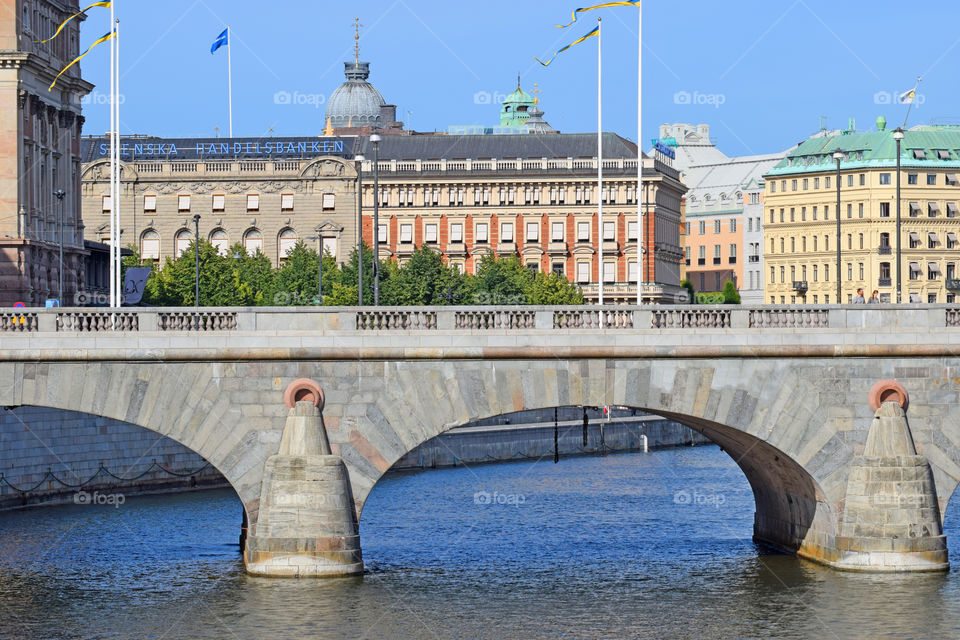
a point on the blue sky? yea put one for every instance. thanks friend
(760, 73)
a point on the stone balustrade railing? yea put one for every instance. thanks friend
(302, 320)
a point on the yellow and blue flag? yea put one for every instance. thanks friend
(595, 31)
(630, 3)
(220, 41)
(65, 22)
(99, 40)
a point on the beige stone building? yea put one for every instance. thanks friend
(39, 153)
(800, 219)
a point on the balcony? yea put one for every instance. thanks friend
(800, 286)
(953, 284)
(885, 251)
(883, 282)
(701, 262)
(717, 260)
(733, 260)
(754, 258)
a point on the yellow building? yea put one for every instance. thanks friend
(800, 217)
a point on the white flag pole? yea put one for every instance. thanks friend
(599, 167)
(230, 78)
(113, 158)
(118, 270)
(641, 273)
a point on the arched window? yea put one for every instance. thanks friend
(182, 241)
(286, 241)
(220, 241)
(150, 245)
(253, 242)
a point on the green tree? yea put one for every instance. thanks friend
(502, 281)
(730, 293)
(348, 277)
(174, 285)
(424, 280)
(295, 282)
(551, 288)
(691, 293)
(255, 275)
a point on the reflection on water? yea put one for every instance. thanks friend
(639, 545)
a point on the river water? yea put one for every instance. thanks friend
(629, 546)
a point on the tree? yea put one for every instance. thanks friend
(348, 276)
(551, 288)
(424, 280)
(502, 281)
(691, 293)
(730, 293)
(295, 283)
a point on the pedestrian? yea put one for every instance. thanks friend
(859, 299)
(874, 297)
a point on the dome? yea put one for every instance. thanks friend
(356, 102)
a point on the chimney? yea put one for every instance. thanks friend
(388, 115)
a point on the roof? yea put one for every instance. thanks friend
(475, 147)
(874, 149)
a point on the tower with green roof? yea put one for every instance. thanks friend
(515, 109)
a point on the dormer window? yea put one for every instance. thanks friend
(919, 154)
(943, 154)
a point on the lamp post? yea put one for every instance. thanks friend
(319, 269)
(359, 160)
(59, 193)
(375, 140)
(898, 136)
(838, 156)
(196, 251)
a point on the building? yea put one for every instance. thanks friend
(800, 225)
(40, 153)
(722, 212)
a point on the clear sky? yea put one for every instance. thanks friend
(759, 73)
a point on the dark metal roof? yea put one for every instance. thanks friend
(146, 148)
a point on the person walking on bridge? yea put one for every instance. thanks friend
(859, 299)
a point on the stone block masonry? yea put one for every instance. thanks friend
(40, 444)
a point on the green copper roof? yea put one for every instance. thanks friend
(515, 109)
(921, 148)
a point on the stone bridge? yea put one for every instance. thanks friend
(303, 410)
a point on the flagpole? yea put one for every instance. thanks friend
(113, 157)
(641, 272)
(230, 79)
(599, 165)
(116, 102)
(915, 87)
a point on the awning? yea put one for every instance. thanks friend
(915, 267)
(951, 236)
(952, 209)
(933, 206)
(914, 297)
(943, 154)
(934, 267)
(914, 206)
(933, 238)
(919, 154)
(914, 236)
(952, 179)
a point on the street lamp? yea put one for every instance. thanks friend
(359, 160)
(59, 193)
(196, 251)
(898, 136)
(319, 268)
(838, 156)
(375, 140)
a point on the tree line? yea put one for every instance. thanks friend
(238, 278)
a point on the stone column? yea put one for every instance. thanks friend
(307, 524)
(891, 518)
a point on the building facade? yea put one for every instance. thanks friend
(39, 153)
(800, 221)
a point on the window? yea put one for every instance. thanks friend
(430, 233)
(782, 245)
(884, 240)
(849, 241)
(150, 245)
(286, 202)
(702, 254)
(557, 268)
(806, 184)
(609, 231)
(861, 270)
(632, 270)
(253, 202)
(849, 210)
(933, 271)
(816, 183)
(382, 233)
(783, 275)
(182, 242)
(803, 214)
(384, 197)
(861, 241)
(716, 226)
(911, 178)
(914, 271)
(826, 182)
(253, 241)
(793, 245)
(931, 179)
(771, 216)
(932, 240)
(456, 232)
(793, 215)
(884, 178)
(556, 232)
(150, 203)
(482, 233)
(826, 212)
(703, 228)
(793, 185)
(814, 213)
(632, 231)
(932, 209)
(863, 179)
(733, 253)
(583, 272)
(406, 233)
(850, 180)
(773, 187)
(884, 209)
(826, 275)
(183, 203)
(218, 202)
(329, 201)
(286, 242)
(815, 270)
(506, 232)
(533, 231)
(609, 272)
(733, 225)
(814, 243)
(108, 207)
(849, 271)
(781, 215)
(220, 241)
(583, 232)
(773, 274)
(860, 210)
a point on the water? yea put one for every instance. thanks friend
(630, 546)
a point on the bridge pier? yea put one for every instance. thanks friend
(307, 524)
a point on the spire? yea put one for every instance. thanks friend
(328, 130)
(356, 40)
(536, 93)
(518, 82)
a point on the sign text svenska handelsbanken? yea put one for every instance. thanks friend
(218, 148)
